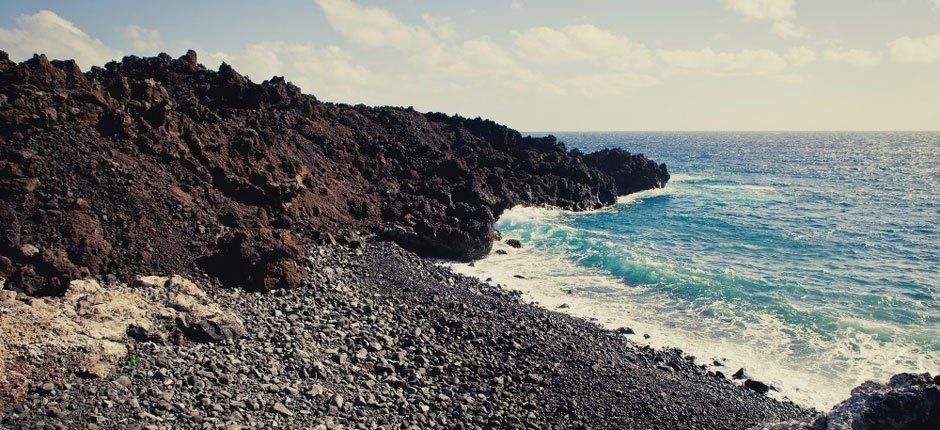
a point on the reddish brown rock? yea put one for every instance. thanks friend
(155, 165)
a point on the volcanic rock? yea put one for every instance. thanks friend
(156, 164)
(907, 401)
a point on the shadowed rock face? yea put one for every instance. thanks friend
(907, 402)
(159, 165)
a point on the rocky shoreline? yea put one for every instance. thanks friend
(184, 248)
(190, 170)
(380, 337)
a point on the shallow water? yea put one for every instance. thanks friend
(811, 259)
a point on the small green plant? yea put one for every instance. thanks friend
(132, 360)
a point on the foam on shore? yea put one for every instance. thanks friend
(806, 366)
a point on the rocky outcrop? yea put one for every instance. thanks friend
(87, 330)
(907, 402)
(160, 165)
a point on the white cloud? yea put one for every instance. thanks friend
(780, 12)
(749, 62)
(143, 40)
(577, 43)
(859, 57)
(606, 84)
(917, 50)
(800, 56)
(475, 63)
(445, 63)
(788, 30)
(50, 34)
(442, 26)
(328, 72)
(373, 27)
(763, 10)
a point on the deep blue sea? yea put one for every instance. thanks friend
(810, 259)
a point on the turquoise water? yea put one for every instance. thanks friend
(811, 258)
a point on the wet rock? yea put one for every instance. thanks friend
(515, 243)
(757, 386)
(907, 401)
(739, 374)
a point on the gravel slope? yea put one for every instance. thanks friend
(378, 337)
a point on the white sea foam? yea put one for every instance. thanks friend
(682, 177)
(642, 195)
(805, 366)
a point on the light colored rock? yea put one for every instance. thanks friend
(151, 281)
(29, 250)
(6, 295)
(281, 409)
(87, 327)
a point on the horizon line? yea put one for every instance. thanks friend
(731, 131)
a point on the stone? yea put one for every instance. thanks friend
(281, 409)
(315, 390)
(757, 386)
(515, 243)
(29, 250)
(337, 400)
(122, 381)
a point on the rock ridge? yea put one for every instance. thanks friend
(159, 165)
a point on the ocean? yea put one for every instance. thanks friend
(810, 259)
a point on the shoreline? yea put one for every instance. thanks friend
(396, 336)
(560, 286)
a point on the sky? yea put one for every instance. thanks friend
(545, 65)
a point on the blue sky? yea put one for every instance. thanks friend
(545, 65)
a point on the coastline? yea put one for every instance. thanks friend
(379, 335)
(557, 284)
(305, 228)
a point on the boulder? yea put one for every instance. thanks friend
(907, 402)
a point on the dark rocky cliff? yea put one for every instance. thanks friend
(158, 164)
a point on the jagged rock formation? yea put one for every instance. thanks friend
(906, 402)
(160, 165)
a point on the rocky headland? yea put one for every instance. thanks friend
(158, 164)
(183, 248)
